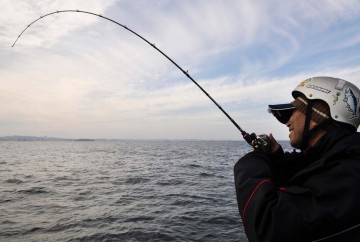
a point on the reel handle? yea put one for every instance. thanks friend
(258, 142)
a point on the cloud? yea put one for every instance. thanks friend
(12, 23)
(79, 75)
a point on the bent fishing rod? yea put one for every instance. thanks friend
(258, 142)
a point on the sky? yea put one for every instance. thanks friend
(74, 75)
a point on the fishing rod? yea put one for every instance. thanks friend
(260, 142)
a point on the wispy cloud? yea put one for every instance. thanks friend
(78, 75)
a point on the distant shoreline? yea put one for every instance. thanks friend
(36, 138)
(45, 138)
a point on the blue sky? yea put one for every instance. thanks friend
(78, 76)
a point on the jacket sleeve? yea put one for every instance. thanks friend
(321, 204)
(267, 213)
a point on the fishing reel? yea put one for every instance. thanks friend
(261, 143)
(258, 142)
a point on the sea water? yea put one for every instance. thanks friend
(119, 191)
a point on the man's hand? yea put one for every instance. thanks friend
(274, 145)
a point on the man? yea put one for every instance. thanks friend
(313, 195)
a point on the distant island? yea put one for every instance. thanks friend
(46, 138)
(35, 138)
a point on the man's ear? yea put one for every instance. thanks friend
(313, 124)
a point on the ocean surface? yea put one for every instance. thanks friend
(119, 191)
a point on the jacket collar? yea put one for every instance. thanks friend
(335, 142)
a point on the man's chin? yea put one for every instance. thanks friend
(295, 144)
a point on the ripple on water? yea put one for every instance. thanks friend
(14, 181)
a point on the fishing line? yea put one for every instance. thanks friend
(250, 138)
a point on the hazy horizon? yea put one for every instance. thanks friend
(77, 75)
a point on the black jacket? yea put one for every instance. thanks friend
(312, 196)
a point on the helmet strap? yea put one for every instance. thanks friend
(306, 132)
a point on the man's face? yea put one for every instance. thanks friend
(296, 125)
(296, 128)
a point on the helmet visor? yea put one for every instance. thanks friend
(282, 112)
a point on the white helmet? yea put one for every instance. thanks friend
(342, 97)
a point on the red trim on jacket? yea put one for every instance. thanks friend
(251, 196)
